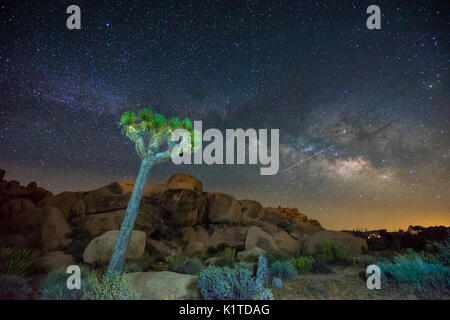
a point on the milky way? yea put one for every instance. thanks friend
(312, 70)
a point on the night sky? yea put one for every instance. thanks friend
(312, 70)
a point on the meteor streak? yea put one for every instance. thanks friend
(307, 159)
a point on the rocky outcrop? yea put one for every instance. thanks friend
(163, 285)
(223, 208)
(13, 190)
(177, 217)
(97, 224)
(183, 181)
(55, 260)
(352, 243)
(100, 249)
(256, 237)
(252, 211)
(55, 230)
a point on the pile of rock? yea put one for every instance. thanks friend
(179, 217)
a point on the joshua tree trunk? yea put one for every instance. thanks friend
(120, 250)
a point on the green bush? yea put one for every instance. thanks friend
(234, 284)
(93, 287)
(439, 251)
(303, 264)
(114, 288)
(411, 270)
(18, 261)
(80, 240)
(15, 241)
(332, 252)
(143, 263)
(283, 269)
(276, 256)
(181, 264)
(176, 263)
(54, 286)
(193, 266)
(225, 262)
(14, 287)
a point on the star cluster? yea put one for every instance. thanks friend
(375, 100)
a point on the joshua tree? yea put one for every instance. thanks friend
(149, 132)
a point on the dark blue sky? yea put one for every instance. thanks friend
(312, 70)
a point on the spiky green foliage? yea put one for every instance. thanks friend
(114, 288)
(16, 261)
(148, 131)
(411, 270)
(332, 252)
(283, 269)
(54, 286)
(303, 264)
(14, 287)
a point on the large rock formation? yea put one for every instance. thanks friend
(100, 249)
(177, 217)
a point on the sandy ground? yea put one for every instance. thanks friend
(344, 283)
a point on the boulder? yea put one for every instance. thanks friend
(202, 235)
(195, 248)
(162, 249)
(65, 201)
(286, 243)
(55, 260)
(252, 211)
(55, 231)
(299, 228)
(230, 235)
(164, 285)
(99, 223)
(184, 181)
(184, 207)
(187, 234)
(100, 249)
(352, 243)
(250, 254)
(223, 208)
(256, 237)
(115, 196)
(275, 218)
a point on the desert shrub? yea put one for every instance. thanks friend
(441, 251)
(54, 286)
(14, 287)
(277, 282)
(181, 264)
(81, 239)
(143, 263)
(176, 263)
(262, 273)
(225, 262)
(332, 252)
(276, 256)
(230, 284)
(114, 288)
(412, 270)
(15, 241)
(303, 263)
(364, 250)
(283, 269)
(321, 268)
(18, 261)
(234, 284)
(193, 266)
